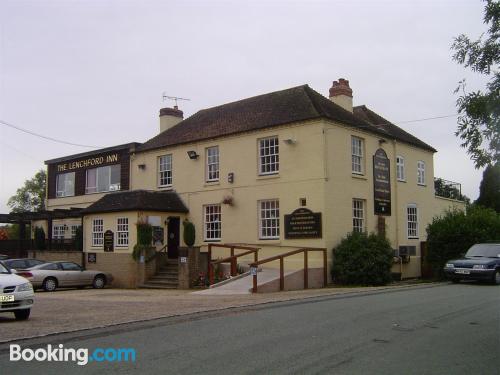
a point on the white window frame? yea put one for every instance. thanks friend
(122, 230)
(63, 193)
(421, 172)
(412, 221)
(165, 175)
(269, 156)
(74, 227)
(357, 155)
(97, 232)
(358, 215)
(212, 222)
(58, 231)
(400, 168)
(269, 219)
(212, 164)
(95, 189)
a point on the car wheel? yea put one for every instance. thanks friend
(496, 277)
(49, 284)
(455, 281)
(22, 314)
(99, 282)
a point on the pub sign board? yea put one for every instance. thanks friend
(303, 223)
(109, 239)
(382, 183)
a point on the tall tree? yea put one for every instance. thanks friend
(479, 120)
(489, 190)
(30, 197)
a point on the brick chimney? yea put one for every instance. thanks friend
(341, 94)
(170, 117)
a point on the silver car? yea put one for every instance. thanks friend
(53, 275)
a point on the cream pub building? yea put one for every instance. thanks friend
(280, 171)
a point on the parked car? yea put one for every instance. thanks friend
(16, 293)
(481, 262)
(52, 275)
(22, 263)
(3, 257)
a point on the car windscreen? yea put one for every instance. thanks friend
(484, 250)
(3, 269)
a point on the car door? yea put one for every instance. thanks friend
(72, 273)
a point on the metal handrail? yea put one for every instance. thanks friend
(281, 258)
(232, 259)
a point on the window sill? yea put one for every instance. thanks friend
(268, 176)
(212, 241)
(413, 238)
(166, 187)
(359, 176)
(402, 181)
(423, 185)
(211, 183)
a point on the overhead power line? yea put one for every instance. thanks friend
(44, 136)
(426, 119)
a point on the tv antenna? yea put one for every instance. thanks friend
(174, 98)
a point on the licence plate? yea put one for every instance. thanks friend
(6, 298)
(463, 272)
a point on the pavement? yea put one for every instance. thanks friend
(74, 310)
(443, 329)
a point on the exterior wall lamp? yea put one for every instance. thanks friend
(290, 141)
(142, 166)
(192, 155)
(381, 141)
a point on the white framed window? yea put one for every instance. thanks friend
(212, 164)
(165, 170)
(357, 155)
(400, 168)
(420, 172)
(412, 220)
(358, 215)
(74, 228)
(269, 158)
(65, 184)
(212, 222)
(269, 219)
(122, 231)
(103, 179)
(97, 232)
(58, 231)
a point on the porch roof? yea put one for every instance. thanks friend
(138, 200)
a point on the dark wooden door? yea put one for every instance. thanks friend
(173, 235)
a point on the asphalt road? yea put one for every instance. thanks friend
(448, 329)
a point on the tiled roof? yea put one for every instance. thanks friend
(138, 200)
(265, 111)
(394, 131)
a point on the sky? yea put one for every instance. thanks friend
(93, 72)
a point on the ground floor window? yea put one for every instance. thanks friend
(269, 219)
(412, 215)
(212, 222)
(97, 232)
(74, 228)
(58, 231)
(122, 231)
(358, 215)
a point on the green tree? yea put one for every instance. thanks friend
(489, 190)
(479, 120)
(30, 197)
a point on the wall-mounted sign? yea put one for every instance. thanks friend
(91, 258)
(109, 240)
(382, 183)
(183, 259)
(90, 162)
(303, 223)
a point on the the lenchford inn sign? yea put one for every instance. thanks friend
(382, 183)
(90, 162)
(303, 223)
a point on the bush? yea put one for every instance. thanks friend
(79, 238)
(144, 234)
(362, 259)
(452, 234)
(189, 233)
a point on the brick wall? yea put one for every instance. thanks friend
(122, 267)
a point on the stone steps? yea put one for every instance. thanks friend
(167, 277)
